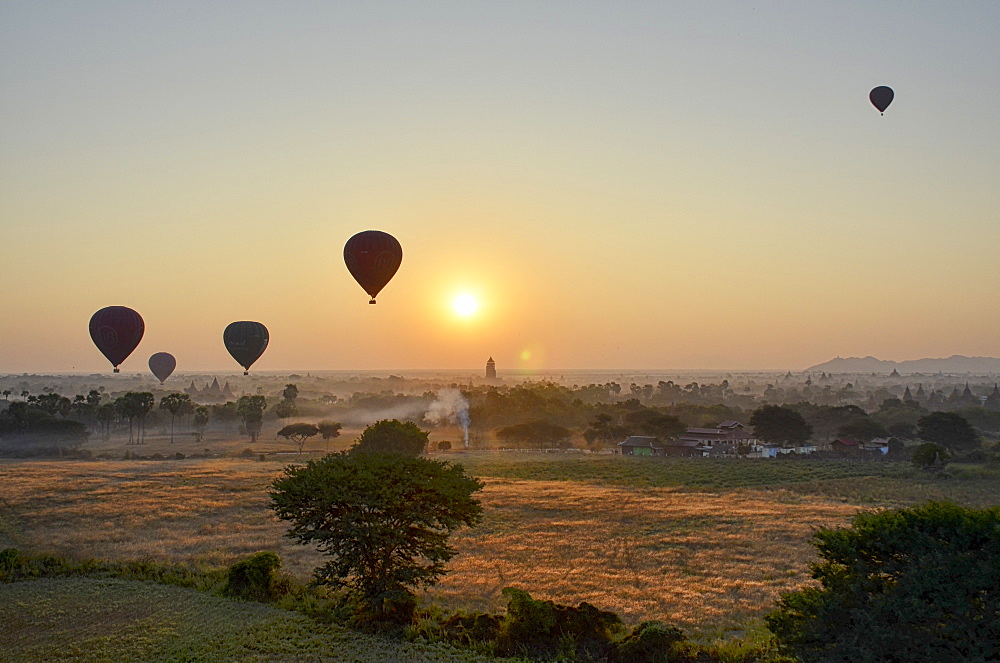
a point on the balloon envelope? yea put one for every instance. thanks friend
(881, 97)
(116, 331)
(246, 342)
(162, 364)
(372, 258)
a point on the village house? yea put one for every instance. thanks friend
(723, 440)
(641, 445)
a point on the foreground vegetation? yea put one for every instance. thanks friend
(707, 545)
(113, 619)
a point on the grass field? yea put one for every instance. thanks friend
(91, 620)
(705, 544)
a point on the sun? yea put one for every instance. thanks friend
(465, 305)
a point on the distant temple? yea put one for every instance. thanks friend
(491, 369)
(211, 392)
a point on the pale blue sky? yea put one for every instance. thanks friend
(621, 184)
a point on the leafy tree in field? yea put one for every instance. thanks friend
(862, 430)
(912, 585)
(392, 436)
(250, 410)
(285, 409)
(329, 430)
(780, 425)
(299, 433)
(200, 420)
(290, 393)
(950, 430)
(176, 404)
(604, 432)
(541, 434)
(664, 427)
(383, 519)
(928, 454)
(105, 415)
(134, 406)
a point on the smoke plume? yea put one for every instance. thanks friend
(450, 406)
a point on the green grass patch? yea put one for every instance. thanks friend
(696, 474)
(111, 619)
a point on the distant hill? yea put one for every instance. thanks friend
(953, 364)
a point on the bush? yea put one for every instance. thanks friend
(913, 585)
(546, 629)
(256, 578)
(928, 453)
(444, 445)
(652, 642)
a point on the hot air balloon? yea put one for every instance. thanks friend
(372, 258)
(246, 342)
(162, 364)
(116, 331)
(881, 97)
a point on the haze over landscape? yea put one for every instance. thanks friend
(693, 186)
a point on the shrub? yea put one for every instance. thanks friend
(444, 445)
(256, 578)
(918, 584)
(546, 629)
(652, 642)
(928, 454)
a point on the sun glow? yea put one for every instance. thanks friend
(465, 305)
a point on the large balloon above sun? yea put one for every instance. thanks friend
(372, 258)
(116, 331)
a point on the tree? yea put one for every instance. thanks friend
(176, 404)
(135, 406)
(603, 431)
(664, 427)
(950, 430)
(913, 585)
(862, 430)
(928, 453)
(329, 430)
(250, 410)
(290, 393)
(383, 519)
(541, 434)
(392, 436)
(105, 415)
(200, 420)
(780, 425)
(285, 409)
(299, 433)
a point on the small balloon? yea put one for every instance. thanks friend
(116, 331)
(881, 97)
(372, 258)
(162, 364)
(246, 341)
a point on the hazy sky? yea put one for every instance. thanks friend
(633, 185)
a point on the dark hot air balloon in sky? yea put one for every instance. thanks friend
(372, 258)
(116, 331)
(162, 364)
(246, 342)
(881, 97)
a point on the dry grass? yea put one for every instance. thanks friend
(707, 559)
